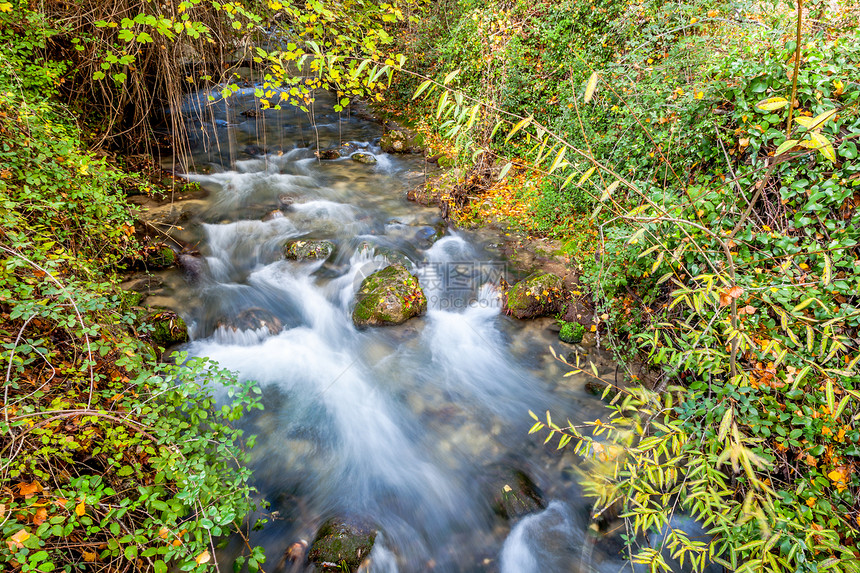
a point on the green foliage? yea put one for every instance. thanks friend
(728, 256)
(109, 459)
(571, 332)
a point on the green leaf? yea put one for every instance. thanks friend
(130, 552)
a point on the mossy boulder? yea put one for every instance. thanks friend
(328, 154)
(308, 250)
(342, 540)
(365, 158)
(390, 296)
(540, 294)
(402, 141)
(514, 494)
(168, 328)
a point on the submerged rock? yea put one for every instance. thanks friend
(168, 328)
(272, 215)
(192, 266)
(308, 250)
(514, 494)
(253, 319)
(387, 297)
(342, 539)
(540, 294)
(365, 158)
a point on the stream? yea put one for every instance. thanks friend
(402, 426)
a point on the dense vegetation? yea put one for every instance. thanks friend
(700, 161)
(114, 456)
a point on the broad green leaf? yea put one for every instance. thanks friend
(590, 86)
(771, 104)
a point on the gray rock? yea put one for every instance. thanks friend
(365, 158)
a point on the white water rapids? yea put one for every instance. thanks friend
(397, 425)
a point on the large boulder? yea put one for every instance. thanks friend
(342, 540)
(514, 494)
(308, 250)
(540, 294)
(389, 296)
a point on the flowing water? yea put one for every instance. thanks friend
(398, 425)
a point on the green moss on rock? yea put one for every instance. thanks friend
(308, 250)
(342, 540)
(168, 328)
(390, 296)
(540, 294)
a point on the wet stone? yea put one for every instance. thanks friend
(342, 539)
(514, 494)
(387, 297)
(168, 328)
(253, 319)
(308, 250)
(540, 294)
(365, 158)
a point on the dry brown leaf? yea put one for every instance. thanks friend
(41, 516)
(28, 489)
(203, 558)
(89, 556)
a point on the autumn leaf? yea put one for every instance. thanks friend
(28, 489)
(203, 558)
(41, 516)
(17, 540)
(163, 532)
(89, 556)
(80, 509)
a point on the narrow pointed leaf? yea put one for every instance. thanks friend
(590, 86)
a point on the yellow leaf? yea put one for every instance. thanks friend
(203, 558)
(590, 87)
(17, 540)
(773, 103)
(89, 556)
(80, 509)
(586, 175)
